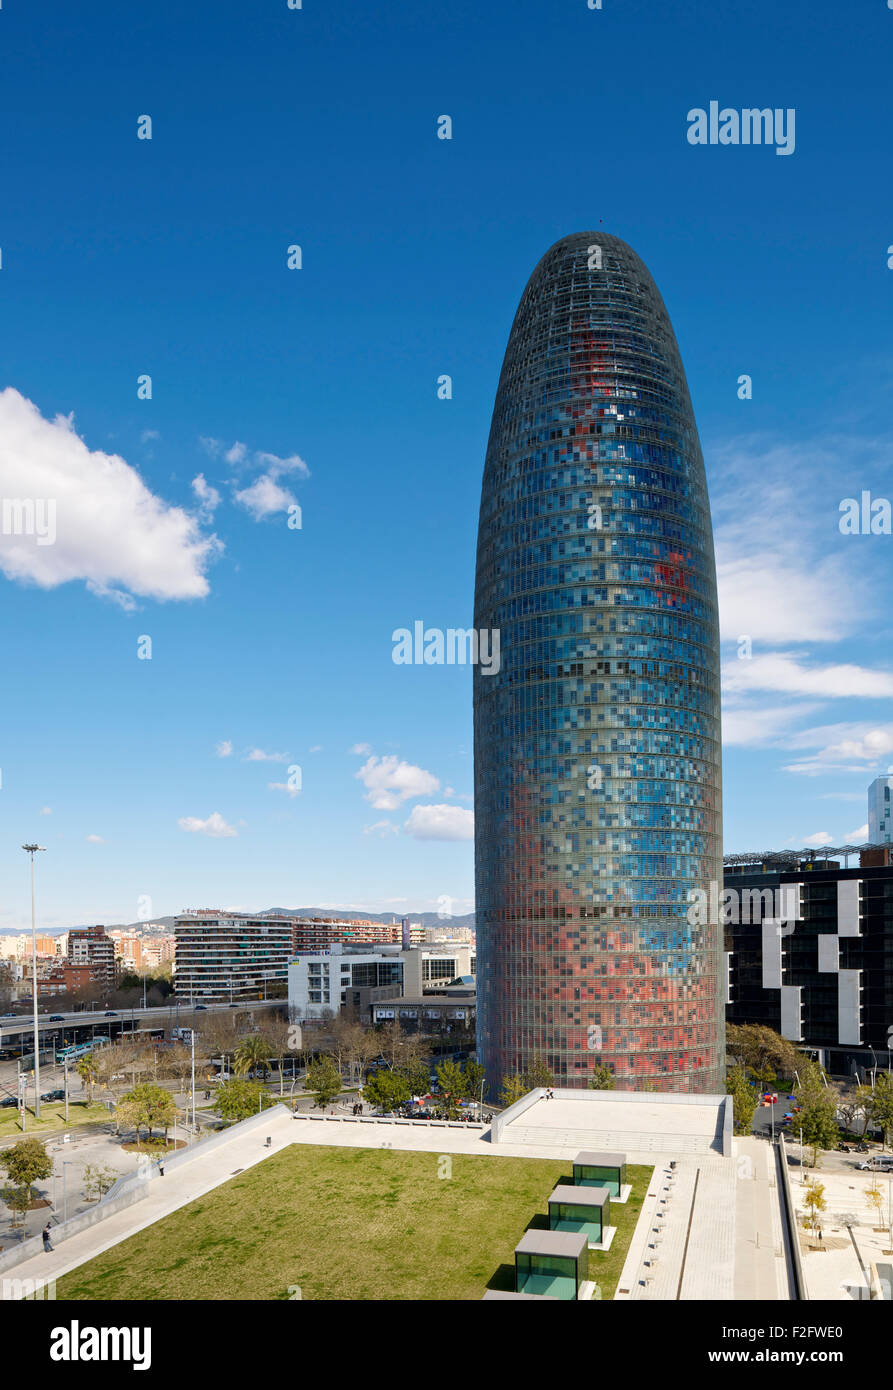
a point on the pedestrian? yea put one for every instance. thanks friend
(47, 1243)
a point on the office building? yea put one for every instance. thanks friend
(353, 977)
(597, 734)
(810, 949)
(880, 811)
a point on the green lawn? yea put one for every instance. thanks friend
(52, 1119)
(370, 1224)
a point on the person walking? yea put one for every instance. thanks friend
(47, 1243)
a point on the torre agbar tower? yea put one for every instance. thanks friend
(597, 741)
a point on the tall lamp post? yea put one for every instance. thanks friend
(32, 850)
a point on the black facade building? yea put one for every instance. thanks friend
(810, 954)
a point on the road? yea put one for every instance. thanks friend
(13, 1029)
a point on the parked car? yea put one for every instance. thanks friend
(53, 1095)
(9, 1100)
(57, 1018)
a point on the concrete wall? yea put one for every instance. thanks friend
(34, 1246)
(721, 1139)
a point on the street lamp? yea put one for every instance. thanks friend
(32, 850)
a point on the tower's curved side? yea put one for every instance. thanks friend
(597, 742)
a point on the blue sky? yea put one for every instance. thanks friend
(274, 127)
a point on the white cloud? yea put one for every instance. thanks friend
(746, 725)
(842, 748)
(208, 497)
(457, 796)
(820, 838)
(46, 810)
(215, 826)
(224, 749)
(785, 672)
(388, 782)
(779, 579)
(858, 836)
(381, 829)
(148, 435)
(316, 748)
(111, 532)
(95, 840)
(264, 498)
(284, 787)
(440, 823)
(361, 749)
(257, 755)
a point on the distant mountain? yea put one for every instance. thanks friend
(427, 919)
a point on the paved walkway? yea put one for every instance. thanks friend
(165, 1195)
(691, 1241)
(711, 1229)
(839, 1267)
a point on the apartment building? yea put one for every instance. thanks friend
(230, 955)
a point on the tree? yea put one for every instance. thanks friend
(418, 1076)
(601, 1079)
(759, 1049)
(453, 1085)
(387, 1090)
(18, 1199)
(25, 1163)
(239, 1099)
(847, 1106)
(219, 1036)
(146, 1105)
(364, 1049)
(513, 1088)
(275, 1032)
(323, 1081)
(475, 1080)
(537, 1074)
(818, 1111)
(875, 1199)
(177, 1063)
(98, 1180)
(88, 1072)
(864, 1106)
(252, 1054)
(814, 1202)
(744, 1099)
(6, 983)
(882, 1105)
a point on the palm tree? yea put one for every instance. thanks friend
(88, 1071)
(252, 1053)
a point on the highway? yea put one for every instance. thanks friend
(14, 1030)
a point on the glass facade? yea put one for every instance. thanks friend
(597, 742)
(553, 1276)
